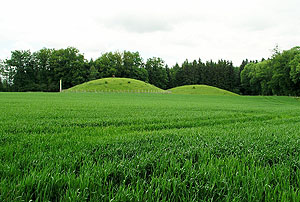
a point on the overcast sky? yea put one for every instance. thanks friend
(170, 29)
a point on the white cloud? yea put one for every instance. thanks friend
(172, 30)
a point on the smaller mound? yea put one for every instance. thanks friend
(200, 90)
(115, 85)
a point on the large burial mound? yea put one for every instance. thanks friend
(115, 85)
(200, 90)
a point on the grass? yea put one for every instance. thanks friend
(200, 89)
(148, 147)
(115, 85)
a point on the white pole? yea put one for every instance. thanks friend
(60, 86)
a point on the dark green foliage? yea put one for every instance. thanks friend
(133, 66)
(1, 85)
(93, 73)
(238, 84)
(148, 147)
(22, 70)
(108, 64)
(157, 72)
(126, 64)
(222, 74)
(45, 72)
(70, 66)
(5, 86)
(276, 76)
(42, 70)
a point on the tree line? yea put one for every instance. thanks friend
(42, 70)
(279, 75)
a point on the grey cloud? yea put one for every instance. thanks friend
(138, 23)
(259, 24)
(149, 22)
(255, 24)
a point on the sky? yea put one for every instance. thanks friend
(172, 30)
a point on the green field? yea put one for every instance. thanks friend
(115, 85)
(148, 147)
(199, 89)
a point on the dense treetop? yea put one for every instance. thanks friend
(42, 70)
(279, 75)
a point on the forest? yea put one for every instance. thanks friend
(42, 70)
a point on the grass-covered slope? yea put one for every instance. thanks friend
(148, 147)
(115, 84)
(200, 89)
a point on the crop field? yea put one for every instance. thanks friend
(148, 147)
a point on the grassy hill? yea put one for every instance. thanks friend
(200, 89)
(115, 84)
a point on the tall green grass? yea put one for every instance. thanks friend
(148, 147)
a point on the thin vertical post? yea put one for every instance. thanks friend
(60, 86)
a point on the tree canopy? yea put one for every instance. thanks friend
(279, 75)
(42, 70)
